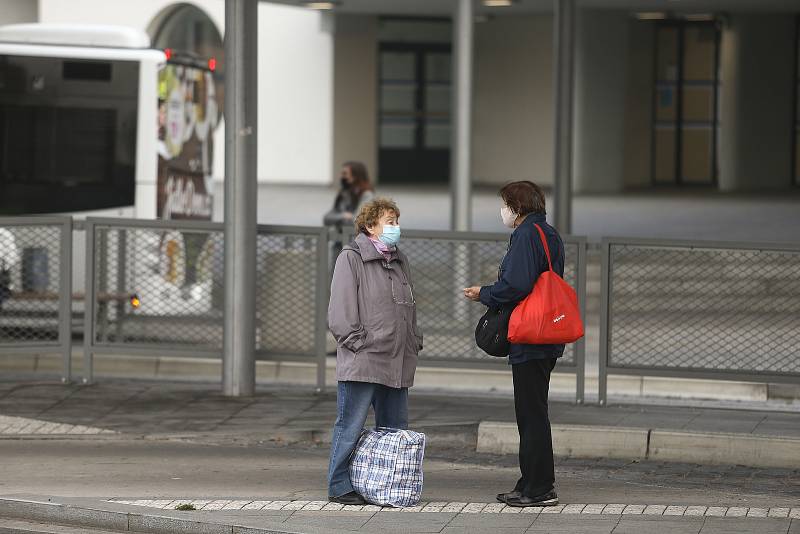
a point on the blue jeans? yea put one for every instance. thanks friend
(353, 400)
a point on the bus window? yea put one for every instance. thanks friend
(67, 134)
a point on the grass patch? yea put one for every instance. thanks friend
(185, 507)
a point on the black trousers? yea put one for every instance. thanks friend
(531, 386)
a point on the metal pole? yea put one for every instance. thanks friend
(241, 82)
(322, 294)
(580, 345)
(461, 150)
(89, 305)
(564, 51)
(65, 301)
(605, 323)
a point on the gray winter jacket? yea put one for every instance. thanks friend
(373, 316)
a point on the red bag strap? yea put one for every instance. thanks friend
(546, 247)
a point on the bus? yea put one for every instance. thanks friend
(94, 122)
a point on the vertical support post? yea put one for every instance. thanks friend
(241, 117)
(461, 150)
(322, 295)
(122, 282)
(564, 61)
(605, 322)
(89, 305)
(101, 270)
(65, 301)
(580, 345)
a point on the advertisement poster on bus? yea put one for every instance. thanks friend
(188, 114)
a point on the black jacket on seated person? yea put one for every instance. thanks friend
(524, 261)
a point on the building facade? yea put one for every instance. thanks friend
(664, 96)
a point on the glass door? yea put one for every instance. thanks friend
(685, 115)
(414, 114)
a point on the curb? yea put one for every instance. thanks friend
(72, 515)
(642, 443)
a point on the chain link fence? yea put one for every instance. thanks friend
(700, 310)
(292, 289)
(36, 287)
(157, 288)
(442, 265)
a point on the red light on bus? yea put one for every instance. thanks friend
(212, 64)
(168, 53)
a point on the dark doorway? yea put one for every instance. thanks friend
(685, 111)
(414, 113)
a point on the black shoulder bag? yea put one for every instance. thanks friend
(491, 334)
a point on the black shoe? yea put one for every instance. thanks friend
(503, 497)
(348, 498)
(548, 499)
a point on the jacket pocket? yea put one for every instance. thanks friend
(380, 337)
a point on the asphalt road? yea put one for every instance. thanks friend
(113, 467)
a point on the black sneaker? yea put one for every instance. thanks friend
(503, 497)
(548, 499)
(348, 498)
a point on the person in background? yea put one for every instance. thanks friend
(522, 209)
(373, 316)
(355, 191)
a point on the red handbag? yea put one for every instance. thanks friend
(550, 314)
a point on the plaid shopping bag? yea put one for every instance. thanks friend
(386, 466)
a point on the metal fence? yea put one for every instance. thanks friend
(699, 310)
(443, 264)
(668, 308)
(156, 288)
(36, 287)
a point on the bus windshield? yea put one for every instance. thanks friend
(67, 134)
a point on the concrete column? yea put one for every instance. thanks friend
(355, 92)
(241, 114)
(460, 172)
(600, 96)
(756, 102)
(564, 52)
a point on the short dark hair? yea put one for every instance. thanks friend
(523, 197)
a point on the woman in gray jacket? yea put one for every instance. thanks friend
(372, 314)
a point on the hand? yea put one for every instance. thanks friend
(348, 215)
(473, 293)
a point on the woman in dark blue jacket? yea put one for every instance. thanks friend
(524, 208)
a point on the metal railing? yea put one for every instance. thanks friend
(443, 263)
(36, 287)
(690, 309)
(693, 309)
(156, 288)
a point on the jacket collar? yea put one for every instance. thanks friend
(533, 218)
(368, 251)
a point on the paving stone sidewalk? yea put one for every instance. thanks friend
(199, 411)
(316, 517)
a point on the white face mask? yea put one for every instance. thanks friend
(508, 216)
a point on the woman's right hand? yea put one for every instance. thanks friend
(473, 293)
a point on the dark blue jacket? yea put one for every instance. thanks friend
(524, 261)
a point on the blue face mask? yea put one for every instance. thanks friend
(390, 235)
